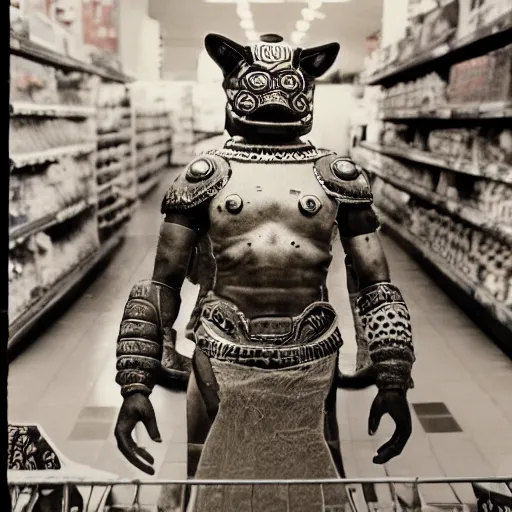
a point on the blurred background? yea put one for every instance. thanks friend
(110, 99)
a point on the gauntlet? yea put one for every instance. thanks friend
(385, 324)
(142, 335)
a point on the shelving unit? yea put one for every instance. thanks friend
(153, 144)
(487, 38)
(116, 177)
(437, 156)
(55, 201)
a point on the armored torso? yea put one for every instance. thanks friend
(272, 216)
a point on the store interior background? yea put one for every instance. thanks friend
(154, 101)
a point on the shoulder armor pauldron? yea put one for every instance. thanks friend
(203, 178)
(343, 180)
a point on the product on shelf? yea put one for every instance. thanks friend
(426, 92)
(60, 185)
(43, 84)
(24, 283)
(483, 79)
(484, 260)
(32, 134)
(474, 15)
(39, 263)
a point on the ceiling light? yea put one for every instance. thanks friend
(247, 24)
(244, 12)
(310, 15)
(302, 25)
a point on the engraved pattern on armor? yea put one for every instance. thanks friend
(139, 347)
(234, 204)
(199, 170)
(344, 169)
(268, 356)
(385, 323)
(127, 377)
(131, 362)
(28, 450)
(354, 191)
(309, 154)
(310, 205)
(139, 329)
(140, 309)
(183, 195)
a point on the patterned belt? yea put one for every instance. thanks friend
(225, 333)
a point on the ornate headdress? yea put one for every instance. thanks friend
(269, 85)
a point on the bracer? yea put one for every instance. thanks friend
(386, 324)
(141, 336)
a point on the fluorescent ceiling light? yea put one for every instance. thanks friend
(244, 12)
(311, 15)
(247, 24)
(302, 25)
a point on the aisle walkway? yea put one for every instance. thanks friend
(462, 425)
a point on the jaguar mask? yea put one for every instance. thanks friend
(269, 85)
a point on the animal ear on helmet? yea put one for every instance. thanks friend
(226, 53)
(316, 61)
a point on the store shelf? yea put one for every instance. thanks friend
(145, 187)
(107, 138)
(491, 110)
(496, 310)
(485, 39)
(19, 108)
(33, 51)
(50, 155)
(20, 233)
(451, 207)
(118, 205)
(59, 292)
(497, 172)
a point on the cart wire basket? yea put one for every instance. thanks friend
(41, 479)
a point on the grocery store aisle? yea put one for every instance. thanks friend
(463, 413)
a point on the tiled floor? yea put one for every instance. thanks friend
(65, 379)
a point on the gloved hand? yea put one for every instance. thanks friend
(136, 407)
(394, 403)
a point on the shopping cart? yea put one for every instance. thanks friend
(42, 479)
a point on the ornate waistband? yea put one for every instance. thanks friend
(225, 333)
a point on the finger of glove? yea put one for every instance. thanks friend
(129, 449)
(149, 421)
(376, 413)
(390, 449)
(144, 454)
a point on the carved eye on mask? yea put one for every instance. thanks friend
(245, 102)
(258, 81)
(289, 81)
(300, 103)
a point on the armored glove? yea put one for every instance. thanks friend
(385, 323)
(145, 326)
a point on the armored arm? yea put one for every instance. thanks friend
(153, 306)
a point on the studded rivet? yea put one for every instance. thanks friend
(344, 169)
(234, 204)
(310, 205)
(199, 170)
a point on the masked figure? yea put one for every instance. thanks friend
(254, 221)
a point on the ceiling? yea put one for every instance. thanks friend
(184, 23)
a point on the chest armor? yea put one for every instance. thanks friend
(260, 197)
